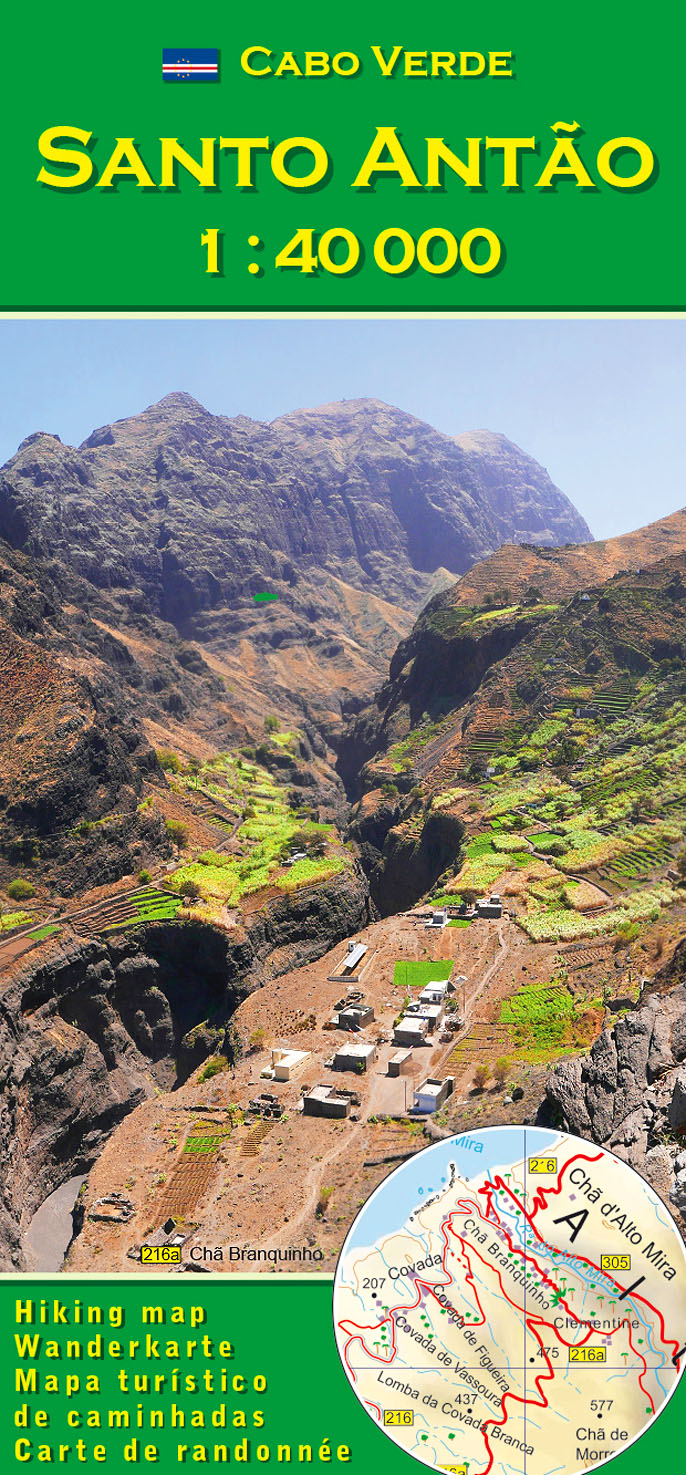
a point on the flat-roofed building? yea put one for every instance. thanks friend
(490, 906)
(432, 1093)
(411, 1030)
(355, 1016)
(400, 1064)
(325, 1101)
(438, 918)
(286, 1062)
(355, 1056)
(434, 993)
(432, 1013)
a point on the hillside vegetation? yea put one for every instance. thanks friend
(555, 734)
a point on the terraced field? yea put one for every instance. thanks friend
(194, 1170)
(266, 828)
(255, 1138)
(478, 1043)
(636, 861)
(547, 1021)
(149, 904)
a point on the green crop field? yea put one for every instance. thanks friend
(636, 860)
(206, 1137)
(9, 920)
(541, 839)
(481, 845)
(417, 974)
(306, 872)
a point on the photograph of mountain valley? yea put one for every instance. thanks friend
(342, 768)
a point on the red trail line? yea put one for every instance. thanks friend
(491, 1215)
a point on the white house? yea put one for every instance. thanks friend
(432, 1093)
(432, 1013)
(434, 993)
(439, 918)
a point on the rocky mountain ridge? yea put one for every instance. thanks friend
(128, 573)
(188, 511)
(349, 517)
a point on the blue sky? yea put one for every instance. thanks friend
(599, 402)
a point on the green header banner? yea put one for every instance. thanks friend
(507, 158)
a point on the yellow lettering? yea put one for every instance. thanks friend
(563, 163)
(295, 181)
(125, 160)
(494, 251)
(317, 64)
(288, 64)
(466, 70)
(342, 71)
(498, 63)
(245, 147)
(443, 61)
(173, 154)
(438, 153)
(245, 61)
(511, 149)
(387, 67)
(82, 162)
(625, 181)
(398, 163)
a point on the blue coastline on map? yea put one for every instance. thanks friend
(404, 1190)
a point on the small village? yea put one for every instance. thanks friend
(275, 1153)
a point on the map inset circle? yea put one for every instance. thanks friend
(513, 1300)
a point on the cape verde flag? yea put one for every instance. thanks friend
(184, 64)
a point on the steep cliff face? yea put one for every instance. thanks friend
(410, 492)
(97, 1026)
(463, 633)
(72, 749)
(303, 925)
(481, 697)
(86, 1036)
(629, 1092)
(432, 673)
(402, 859)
